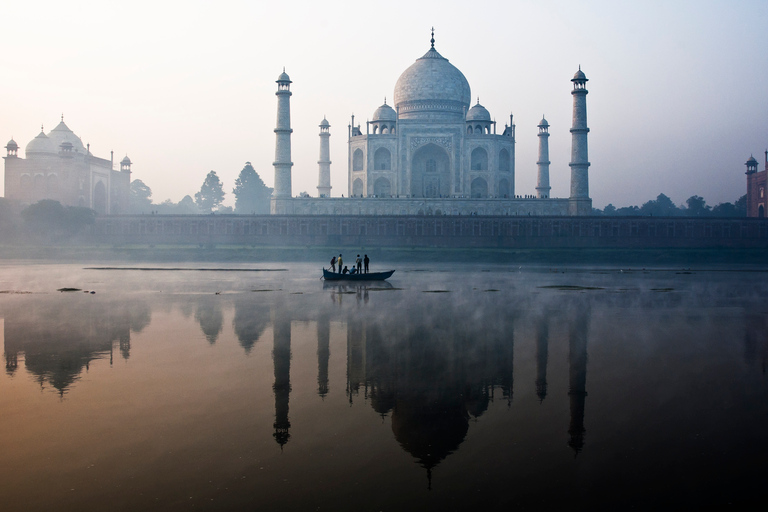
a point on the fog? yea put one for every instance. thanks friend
(674, 103)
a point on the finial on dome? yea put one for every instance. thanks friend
(385, 100)
(41, 128)
(433, 37)
(62, 117)
(478, 100)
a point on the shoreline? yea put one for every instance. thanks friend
(320, 254)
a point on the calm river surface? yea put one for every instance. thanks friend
(449, 388)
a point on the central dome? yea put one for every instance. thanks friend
(432, 87)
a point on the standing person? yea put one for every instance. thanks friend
(359, 264)
(339, 263)
(333, 264)
(366, 261)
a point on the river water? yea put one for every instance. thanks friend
(451, 387)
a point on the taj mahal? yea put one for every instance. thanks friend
(432, 153)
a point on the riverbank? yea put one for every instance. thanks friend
(711, 257)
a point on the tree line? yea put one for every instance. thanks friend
(252, 196)
(663, 206)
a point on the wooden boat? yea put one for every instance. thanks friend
(370, 276)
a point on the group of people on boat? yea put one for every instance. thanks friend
(359, 267)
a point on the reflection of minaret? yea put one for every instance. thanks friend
(577, 378)
(542, 349)
(355, 356)
(125, 345)
(281, 356)
(323, 354)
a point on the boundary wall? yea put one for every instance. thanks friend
(432, 231)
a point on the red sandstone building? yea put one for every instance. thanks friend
(756, 184)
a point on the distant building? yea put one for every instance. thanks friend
(756, 182)
(57, 166)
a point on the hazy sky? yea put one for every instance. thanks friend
(677, 93)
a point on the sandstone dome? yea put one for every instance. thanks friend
(432, 87)
(62, 134)
(41, 145)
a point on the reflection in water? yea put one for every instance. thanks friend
(577, 375)
(249, 323)
(429, 380)
(433, 367)
(281, 356)
(59, 338)
(323, 354)
(210, 317)
(542, 354)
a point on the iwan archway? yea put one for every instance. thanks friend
(430, 172)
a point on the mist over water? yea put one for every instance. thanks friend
(447, 387)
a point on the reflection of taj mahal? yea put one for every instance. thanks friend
(433, 154)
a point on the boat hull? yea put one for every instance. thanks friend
(371, 276)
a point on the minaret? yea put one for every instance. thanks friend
(283, 131)
(542, 180)
(324, 178)
(580, 203)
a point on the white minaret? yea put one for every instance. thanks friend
(283, 131)
(324, 172)
(542, 180)
(580, 203)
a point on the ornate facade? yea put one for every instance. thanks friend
(57, 166)
(432, 153)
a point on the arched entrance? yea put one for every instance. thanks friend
(479, 188)
(100, 198)
(761, 211)
(357, 188)
(430, 172)
(381, 188)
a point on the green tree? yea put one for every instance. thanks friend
(50, 218)
(697, 207)
(141, 197)
(741, 206)
(187, 206)
(211, 193)
(251, 194)
(662, 206)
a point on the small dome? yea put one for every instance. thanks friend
(324, 123)
(62, 134)
(751, 160)
(284, 77)
(543, 122)
(126, 160)
(41, 145)
(579, 76)
(478, 113)
(11, 145)
(385, 113)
